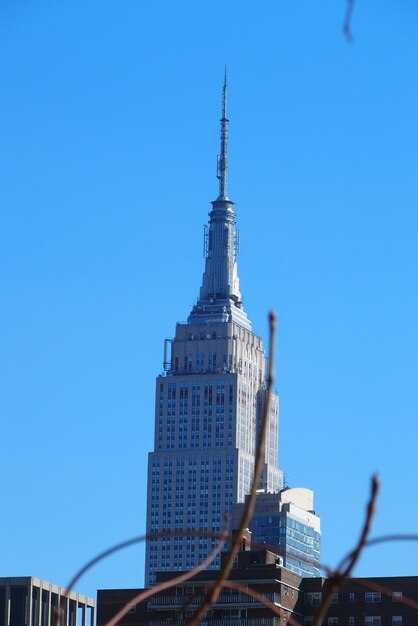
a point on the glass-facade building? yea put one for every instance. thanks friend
(287, 522)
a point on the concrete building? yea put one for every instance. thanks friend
(287, 521)
(209, 403)
(28, 601)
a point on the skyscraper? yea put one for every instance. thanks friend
(209, 403)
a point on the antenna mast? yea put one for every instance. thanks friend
(222, 171)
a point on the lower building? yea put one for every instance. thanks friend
(29, 601)
(260, 592)
(258, 569)
(358, 603)
(286, 522)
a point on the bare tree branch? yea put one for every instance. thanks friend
(347, 20)
(131, 542)
(346, 566)
(389, 593)
(258, 596)
(386, 538)
(371, 510)
(147, 593)
(169, 532)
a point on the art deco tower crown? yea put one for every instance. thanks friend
(220, 297)
(209, 403)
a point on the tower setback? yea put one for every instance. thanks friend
(209, 403)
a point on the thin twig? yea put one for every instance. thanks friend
(196, 532)
(371, 510)
(249, 507)
(389, 593)
(252, 593)
(386, 538)
(147, 593)
(347, 564)
(330, 571)
(126, 544)
(249, 591)
(347, 20)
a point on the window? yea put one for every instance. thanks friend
(396, 595)
(334, 598)
(372, 597)
(313, 598)
(352, 597)
(372, 620)
(333, 621)
(351, 621)
(396, 620)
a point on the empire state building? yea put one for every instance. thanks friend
(208, 407)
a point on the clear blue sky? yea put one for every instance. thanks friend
(109, 133)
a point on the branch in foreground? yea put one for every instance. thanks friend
(147, 593)
(252, 593)
(131, 542)
(347, 21)
(389, 593)
(346, 566)
(371, 510)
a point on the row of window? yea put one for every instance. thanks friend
(370, 597)
(369, 620)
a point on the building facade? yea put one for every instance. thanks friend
(260, 592)
(29, 601)
(372, 601)
(209, 403)
(257, 571)
(286, 521)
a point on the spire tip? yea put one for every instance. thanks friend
(222, 170)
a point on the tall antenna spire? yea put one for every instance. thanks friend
(222, 172)
(220, 298)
